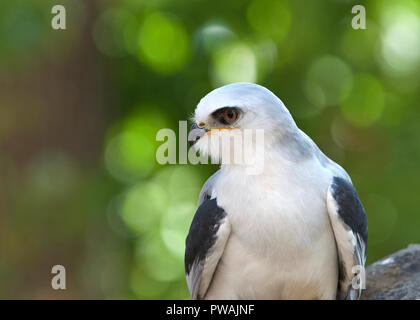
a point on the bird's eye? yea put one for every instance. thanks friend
(227, 115)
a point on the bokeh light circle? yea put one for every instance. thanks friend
(359, 47)
(163, 43)
(326, 81)
(234, 62)
(213, 34)
(143, 205)
(400, 41)
(270, 18)
(175, 225)
(130, 152)
(159, 262)
(129, 156)
(365, 101)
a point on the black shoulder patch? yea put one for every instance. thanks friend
(202, 234)
(350, 209)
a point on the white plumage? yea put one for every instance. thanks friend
(292, 232)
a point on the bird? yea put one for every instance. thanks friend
(295, 230)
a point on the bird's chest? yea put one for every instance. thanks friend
(270, 212)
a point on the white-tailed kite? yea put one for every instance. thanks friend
(295, 231)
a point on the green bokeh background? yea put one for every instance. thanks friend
(80, 109)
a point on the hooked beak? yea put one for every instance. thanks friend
(195, 134)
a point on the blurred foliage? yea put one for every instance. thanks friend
(80, 108)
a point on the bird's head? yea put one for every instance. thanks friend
(234, 109)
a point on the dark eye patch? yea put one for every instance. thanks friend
(227, 115)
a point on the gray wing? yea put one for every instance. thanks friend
(206, 240)
(349, 223)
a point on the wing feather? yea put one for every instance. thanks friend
(205, 243)
(349, 222)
